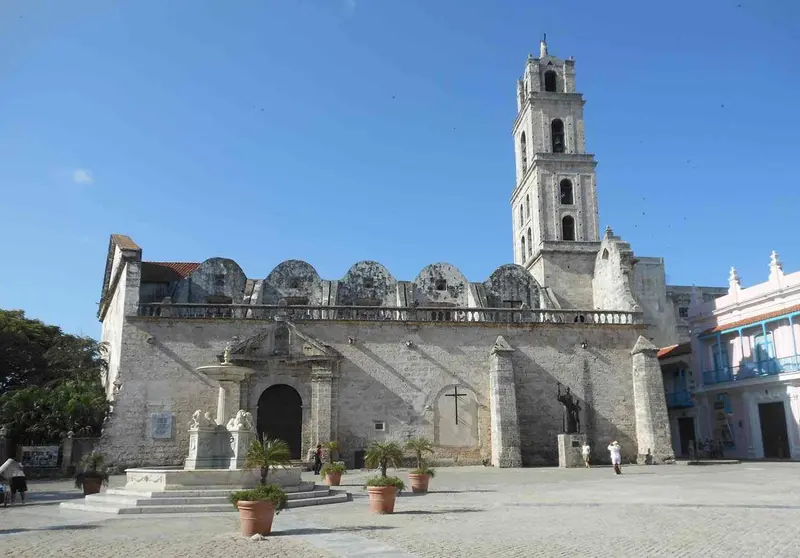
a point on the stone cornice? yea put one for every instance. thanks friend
(546, 97)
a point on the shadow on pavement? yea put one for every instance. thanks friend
(437, 512)
(325, 530)
(459, 491)
(651, 504)
(79, 527)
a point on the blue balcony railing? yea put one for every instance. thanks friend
(678, 399)
(748, 370)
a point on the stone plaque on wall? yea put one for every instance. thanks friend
(456, 418)
(161, 426)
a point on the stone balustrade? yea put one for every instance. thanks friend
(380, 314)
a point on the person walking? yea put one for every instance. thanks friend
(13, 469)
(616, 456)
(318, 459)
(586, 452)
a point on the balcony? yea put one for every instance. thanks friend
(679, 400)
(382, 314)
(749, 370)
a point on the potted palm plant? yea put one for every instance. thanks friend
(258, 506)
(421, 476)
(331, 448)
(382, 489)
(332, 473)
(92, 473)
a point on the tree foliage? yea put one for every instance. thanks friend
(50, 382)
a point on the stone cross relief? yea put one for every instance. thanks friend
(455, 395)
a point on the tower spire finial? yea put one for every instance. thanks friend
(543, 46)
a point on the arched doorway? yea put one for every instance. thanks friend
(280, 415)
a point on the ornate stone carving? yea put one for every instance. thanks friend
(242, 421)
(201, 420)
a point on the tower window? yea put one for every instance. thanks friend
(521, 216)
(557, 135)
(294, 282)
(523, 152)
(566, 192)
(441, 285)
(530, 244)
(567, 228)
(550, 81)
(522, 246)
(683, 312)
(527, 205)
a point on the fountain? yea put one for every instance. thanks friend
(214, 466)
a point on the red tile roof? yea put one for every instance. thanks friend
(754, 319)
(158, 272)
(675, 350)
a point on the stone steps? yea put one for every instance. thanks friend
(215, 500)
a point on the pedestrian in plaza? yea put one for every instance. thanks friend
(616, 456)
(12, 469)
(318, 459)
(586, 452)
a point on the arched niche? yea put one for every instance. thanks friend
(293, 283)
(441, 284)
(367, 283)
(215, 281)
(511, 286)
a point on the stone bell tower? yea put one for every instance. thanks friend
(554, 204)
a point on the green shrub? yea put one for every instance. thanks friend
(92, 466)
(333, 468)
(386, 481)
(262, 492)
(424, 471)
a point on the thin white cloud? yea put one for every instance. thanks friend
(82, 176)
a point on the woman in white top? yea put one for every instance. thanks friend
(616, 457)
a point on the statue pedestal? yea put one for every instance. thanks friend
(569, 450)
(203, 448)
(241, 440)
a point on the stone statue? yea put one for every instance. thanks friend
(242, 421)
(572, 420)
(201, 420)
(226, 354)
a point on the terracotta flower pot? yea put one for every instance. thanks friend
(419, 483)
(256, 517)
(91, 485)
(333, 479)
(381, 498)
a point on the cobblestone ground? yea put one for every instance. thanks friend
(720, 510)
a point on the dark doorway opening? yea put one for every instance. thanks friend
(686, 433)
(774, 434)
(280, 415)
(358, 459)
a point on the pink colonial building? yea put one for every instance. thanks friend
(747, 394)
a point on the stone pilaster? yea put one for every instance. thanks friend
(652, 419)
(66, 453)
(323, 404)
(503, 407)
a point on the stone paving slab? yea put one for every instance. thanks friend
(648, 511)
(752, 509)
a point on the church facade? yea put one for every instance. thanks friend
(474, 366)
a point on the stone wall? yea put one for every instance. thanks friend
(403, 375)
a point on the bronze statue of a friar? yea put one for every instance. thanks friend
(572, 410)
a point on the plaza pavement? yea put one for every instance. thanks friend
(751, 509)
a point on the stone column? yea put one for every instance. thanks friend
(66, 453)
(228, 401)
(652, 419)
(323, 428)
(503, 407)
(3, 445)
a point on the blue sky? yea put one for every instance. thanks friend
(340, 130)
